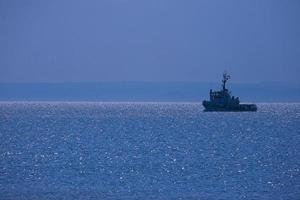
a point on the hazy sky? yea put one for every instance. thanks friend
(149, 40)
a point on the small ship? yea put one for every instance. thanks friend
(223, 101)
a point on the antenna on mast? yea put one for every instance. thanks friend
(226, 77)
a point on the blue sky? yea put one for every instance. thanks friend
(142, 40)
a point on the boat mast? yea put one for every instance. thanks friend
(226, 77)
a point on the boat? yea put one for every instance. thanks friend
(223, 101)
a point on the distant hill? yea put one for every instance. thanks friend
(144, 91)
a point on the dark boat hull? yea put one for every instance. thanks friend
(229, 108)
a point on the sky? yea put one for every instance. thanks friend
(142, 40)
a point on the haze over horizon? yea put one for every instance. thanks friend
(156, 41)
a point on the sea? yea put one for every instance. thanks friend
(103, 150)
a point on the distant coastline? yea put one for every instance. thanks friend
(144, 91)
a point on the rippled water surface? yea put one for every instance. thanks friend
(148, 151)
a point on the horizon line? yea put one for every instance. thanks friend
(139, 81)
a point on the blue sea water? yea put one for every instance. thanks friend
(52, 150)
